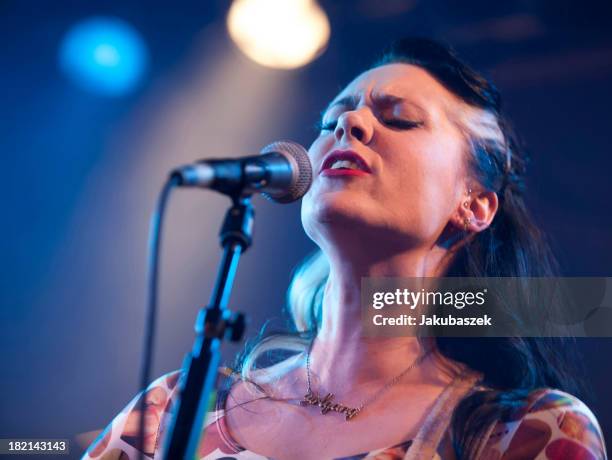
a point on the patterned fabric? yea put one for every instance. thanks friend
(551, 425)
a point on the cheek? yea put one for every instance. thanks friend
(428, 174)
(306, 211)
(316, 205)
(314, 201)
(446, 173)
(315, 152)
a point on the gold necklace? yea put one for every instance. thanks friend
(327, 404)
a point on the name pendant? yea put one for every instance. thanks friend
(327, 404)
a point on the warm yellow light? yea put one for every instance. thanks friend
(282, 34)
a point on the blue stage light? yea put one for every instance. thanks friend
(104, 55)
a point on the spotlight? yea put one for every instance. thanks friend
(104, 55)
(282, 34)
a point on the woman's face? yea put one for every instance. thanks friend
(393, 123)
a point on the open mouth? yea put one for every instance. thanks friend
(344, 162)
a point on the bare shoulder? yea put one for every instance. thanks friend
(255, 414)
(279, 381)
(276, 382)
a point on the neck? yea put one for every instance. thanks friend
(342, 356)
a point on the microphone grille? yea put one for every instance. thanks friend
(302, 176)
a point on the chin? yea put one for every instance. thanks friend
(334, 206)
(325, 216)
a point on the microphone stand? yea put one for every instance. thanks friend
(213, 324)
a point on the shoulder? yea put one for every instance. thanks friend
(120, 438)
(548, 424)
(277, 381)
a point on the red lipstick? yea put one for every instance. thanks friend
(362, 168)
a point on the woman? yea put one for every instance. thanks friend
(416, 174)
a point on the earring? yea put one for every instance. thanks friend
(466, 203)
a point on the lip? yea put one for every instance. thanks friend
(344, 155)
(343, 172)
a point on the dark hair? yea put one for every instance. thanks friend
(512, 246)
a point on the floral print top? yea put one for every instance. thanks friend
(551, 425)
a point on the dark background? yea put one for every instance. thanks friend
(81, 172)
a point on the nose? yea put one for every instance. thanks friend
(354, 125)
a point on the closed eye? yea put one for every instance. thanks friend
(402, 124)
(394, 123)
(327, 126)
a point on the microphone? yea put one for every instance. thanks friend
(281, 172)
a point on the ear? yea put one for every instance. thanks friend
(477, 210)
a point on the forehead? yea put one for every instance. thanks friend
(402, 80)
